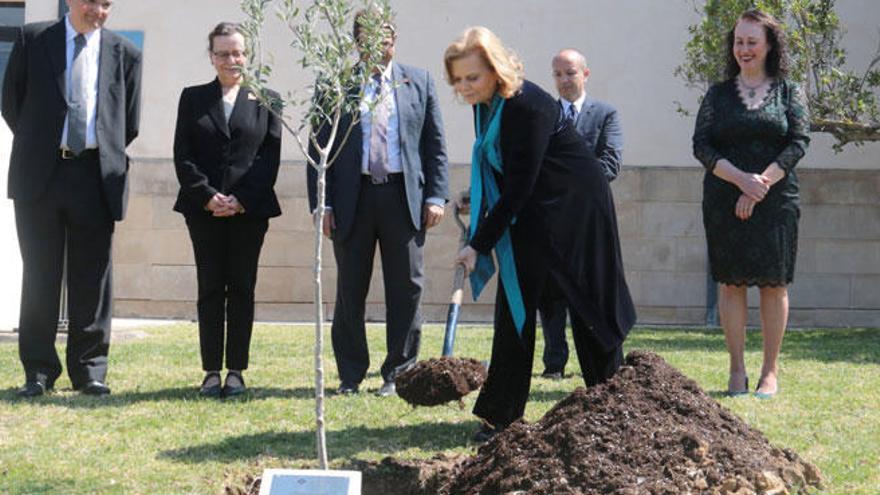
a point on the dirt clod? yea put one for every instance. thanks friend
(440, 380)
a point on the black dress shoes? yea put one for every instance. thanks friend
(387, 390)
(484, 433)
(94, 387)
(34, 388)
(234, 384)
(211, 385)
(347, 389)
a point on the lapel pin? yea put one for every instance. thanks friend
(252, 96)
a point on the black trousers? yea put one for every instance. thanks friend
(382, 218)
(503, 397)
(227, 253)
(71, 213)
(554, 313)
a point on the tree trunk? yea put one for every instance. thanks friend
(320, 431)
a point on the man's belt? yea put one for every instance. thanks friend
(395, 178)
(66, 154)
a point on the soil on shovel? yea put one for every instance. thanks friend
(648, 430)
(440, 380)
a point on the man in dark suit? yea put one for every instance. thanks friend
(599, 124)
(71, 97)
(388, 186)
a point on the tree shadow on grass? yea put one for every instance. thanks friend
(853, 345)
(343, 444)
(127, 397)
(43, 485)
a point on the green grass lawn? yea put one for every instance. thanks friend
(155, 435)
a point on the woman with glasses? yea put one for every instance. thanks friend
(226, 154)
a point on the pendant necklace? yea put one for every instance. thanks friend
(751, 89)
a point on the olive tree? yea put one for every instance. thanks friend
(322, 43)
(843, 102)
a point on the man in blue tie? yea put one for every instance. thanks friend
(599, 124)
(386, 188)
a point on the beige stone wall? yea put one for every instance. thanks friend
(633, 47)
(837, 282)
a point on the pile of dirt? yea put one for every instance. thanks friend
(648, 430)
(440, 380)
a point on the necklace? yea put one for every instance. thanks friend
(751, 89)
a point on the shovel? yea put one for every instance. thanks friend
(445, 379)
(460, 206)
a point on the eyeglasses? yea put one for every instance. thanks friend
(224, 54)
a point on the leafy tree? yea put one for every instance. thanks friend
(322, 42)
(843, 103)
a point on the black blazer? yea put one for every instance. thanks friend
(422, 153)
(557, 191)
(35, 107)
(210, 156)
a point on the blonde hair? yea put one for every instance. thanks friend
(501, 60)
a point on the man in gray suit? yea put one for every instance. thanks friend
(388, 186)
(599, 124)
(71, 96)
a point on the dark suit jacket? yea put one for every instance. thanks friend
(422, 153)
(240, 159)
(35, 107)
(556, 189)
(599, 123)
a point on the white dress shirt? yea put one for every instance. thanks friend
(229, 102)
(91, 52)
(578, 104)
(371, 92)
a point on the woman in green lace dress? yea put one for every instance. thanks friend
(751, 131)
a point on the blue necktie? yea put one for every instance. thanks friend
(572, 114)
(76, 108)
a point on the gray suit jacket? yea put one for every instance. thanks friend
(35, 107)
(599, 123)
(422, 153)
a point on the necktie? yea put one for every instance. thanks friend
(572, 114)
(76, 108)
(378, 160)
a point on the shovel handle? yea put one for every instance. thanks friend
(457, 288)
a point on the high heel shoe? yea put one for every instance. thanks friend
(738, 393)
(765, 395)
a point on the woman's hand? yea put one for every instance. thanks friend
(467, 257)
(754, 186)
(745, 206)
(773, 173)
(219, 206)
(233, 203)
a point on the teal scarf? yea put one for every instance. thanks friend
(485, 159)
